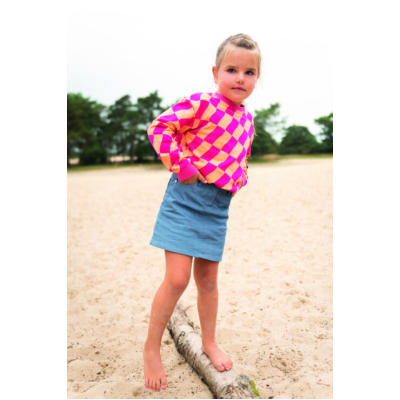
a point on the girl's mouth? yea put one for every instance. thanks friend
(239, 89)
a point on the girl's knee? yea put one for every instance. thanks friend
(177, 285)
(206, 284)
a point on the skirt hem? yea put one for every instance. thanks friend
(175, 250)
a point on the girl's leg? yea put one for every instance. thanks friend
(177, 277)
(205, 274)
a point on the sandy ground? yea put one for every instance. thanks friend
(275, 313)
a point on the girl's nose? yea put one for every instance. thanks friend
(240, 78)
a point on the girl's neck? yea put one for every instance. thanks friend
(230, 103)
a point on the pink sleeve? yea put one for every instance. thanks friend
(245, 176)
(165, 133)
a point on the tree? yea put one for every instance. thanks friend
(326, 134)
(149, 108)
(298, 140)
(85, 124)
(267, 124)
(75, 126)
(274, 124)
(122, 119)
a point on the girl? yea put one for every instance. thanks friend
(204, 140)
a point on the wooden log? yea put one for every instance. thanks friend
(224, 385)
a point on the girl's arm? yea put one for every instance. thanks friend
(245, 175)
(166, 132)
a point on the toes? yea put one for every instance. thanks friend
(220, 367)
(146, 382)
(164, 383)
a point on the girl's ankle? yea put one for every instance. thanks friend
(149, 346)
(209, 344)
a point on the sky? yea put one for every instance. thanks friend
(134, 47)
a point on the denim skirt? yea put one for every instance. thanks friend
(193, 219)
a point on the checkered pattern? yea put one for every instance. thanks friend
(205, 132)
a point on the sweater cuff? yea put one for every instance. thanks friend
(244, 180)
(187, 172)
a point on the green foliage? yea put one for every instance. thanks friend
(127, 125)
(95, 132)
(253, 388)
(122, 119)
(149, 108)
(298, 140)
(85, 126)
(327, 133)
(266, 122)
(93, 153)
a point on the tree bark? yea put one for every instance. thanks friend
(132, 149)
(224, 385)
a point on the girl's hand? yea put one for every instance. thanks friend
(193, 179)
(240, 185)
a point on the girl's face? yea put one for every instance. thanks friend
(237, 75)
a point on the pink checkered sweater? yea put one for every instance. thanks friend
(205, 132)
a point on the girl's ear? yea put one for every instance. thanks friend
(214, 71)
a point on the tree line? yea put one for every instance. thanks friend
(96, 132)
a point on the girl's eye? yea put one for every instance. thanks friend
(250, 72)
(231, 70)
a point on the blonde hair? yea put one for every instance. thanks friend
(239, 40)
(243, 41)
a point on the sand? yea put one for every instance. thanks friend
(275, 317)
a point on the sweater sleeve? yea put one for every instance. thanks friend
(245, 176)
(165, 134)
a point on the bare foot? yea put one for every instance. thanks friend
(154, 374)
(219, 359)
